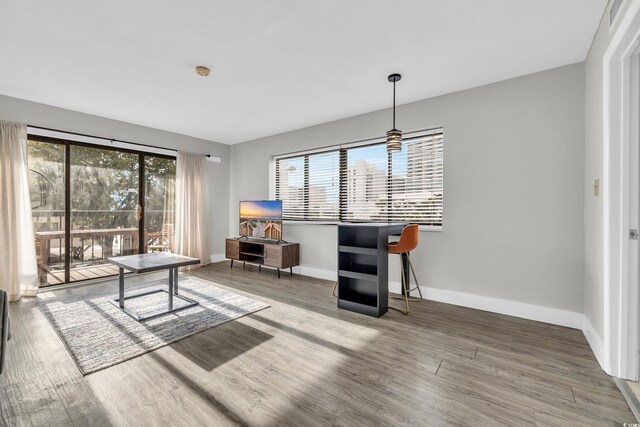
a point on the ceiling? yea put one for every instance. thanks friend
(277, 65)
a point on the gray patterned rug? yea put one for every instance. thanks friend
(98, 335)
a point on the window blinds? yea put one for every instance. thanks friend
(324, 186)
(365, 183)
(290, 187)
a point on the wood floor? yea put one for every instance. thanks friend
(303, 362)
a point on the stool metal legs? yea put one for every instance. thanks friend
(416, 279)
(406, 291)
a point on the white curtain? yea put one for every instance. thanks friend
(18, 269)
(192, 235)
(169, 209)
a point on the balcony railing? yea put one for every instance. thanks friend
(95, 236)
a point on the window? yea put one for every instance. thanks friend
(365, 183)
(308, 186)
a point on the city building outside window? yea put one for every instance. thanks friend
(364, 183)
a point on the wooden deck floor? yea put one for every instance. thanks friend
(82, 273)
(303, 362)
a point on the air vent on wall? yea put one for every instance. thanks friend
(613, 10)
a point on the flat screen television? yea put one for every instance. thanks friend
(261, 219)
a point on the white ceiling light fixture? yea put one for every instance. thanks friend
(394, 136)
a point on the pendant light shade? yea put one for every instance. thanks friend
(394, 136)
(394, 140)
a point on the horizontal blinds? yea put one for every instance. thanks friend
(365, 183)
(309, 186)
(416, 181)
(290, 187)
(324, 186)
(366, 172)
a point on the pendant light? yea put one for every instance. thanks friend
(394, 136)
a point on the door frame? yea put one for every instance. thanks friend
(620, 172)
(68, 143)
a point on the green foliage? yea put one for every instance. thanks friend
(159, 191)
(46, 175)
(104, 187)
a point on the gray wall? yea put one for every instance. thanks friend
(514, 181)
(594, 157)
(514, 174)
(17, 110)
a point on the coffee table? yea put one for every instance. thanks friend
(144, 263)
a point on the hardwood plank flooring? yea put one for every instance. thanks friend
(303, 362)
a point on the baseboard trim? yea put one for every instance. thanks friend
(594, 340)
(318, 273)
(629, 396)
(538, 313)
(217, 258)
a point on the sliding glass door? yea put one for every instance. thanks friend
(104, 209)
(90, 203)
(47, 194)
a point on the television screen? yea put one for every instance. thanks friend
(261, 219)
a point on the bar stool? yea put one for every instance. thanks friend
(408, 242)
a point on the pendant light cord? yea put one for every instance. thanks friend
(394, 104)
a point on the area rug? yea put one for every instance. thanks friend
(98, 335)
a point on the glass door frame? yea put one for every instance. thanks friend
(67, 193)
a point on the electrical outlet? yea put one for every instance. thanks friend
(596, 187)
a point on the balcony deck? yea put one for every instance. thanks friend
(81, 273)
(92, 254)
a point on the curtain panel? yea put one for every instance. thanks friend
(17, 249)
(192, 234)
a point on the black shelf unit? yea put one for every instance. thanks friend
(363, 265)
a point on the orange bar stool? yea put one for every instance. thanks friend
(408, 242)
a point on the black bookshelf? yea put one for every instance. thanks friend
(363, 264)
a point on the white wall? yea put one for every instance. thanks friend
(594, 155)
(31, 113)
(513, 203)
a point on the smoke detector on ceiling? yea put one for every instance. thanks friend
(202, 71)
